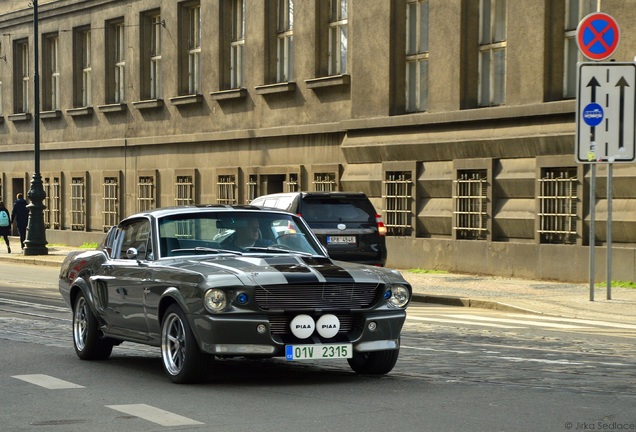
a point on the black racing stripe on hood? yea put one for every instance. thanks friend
(294, 272)
(332, 273)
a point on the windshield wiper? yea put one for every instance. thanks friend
(207, 250)
(277, 249)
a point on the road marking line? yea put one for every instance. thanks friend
(524, 321)
(578, 321)
(47, 381)
(154, 415)
(453, 321)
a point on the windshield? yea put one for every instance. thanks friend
(234, 232)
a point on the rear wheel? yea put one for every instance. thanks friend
(86, 338)
(374, 362)
(182, 359)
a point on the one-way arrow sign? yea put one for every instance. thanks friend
(606, 112)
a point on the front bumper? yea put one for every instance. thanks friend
(237, 335)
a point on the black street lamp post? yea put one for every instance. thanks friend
(35, 242)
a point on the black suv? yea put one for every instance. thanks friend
(345, 222)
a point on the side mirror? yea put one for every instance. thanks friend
(132, 253)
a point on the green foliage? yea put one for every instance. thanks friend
(87, 245)
(424, 271)
(619, 284)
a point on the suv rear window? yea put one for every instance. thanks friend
(329, 209)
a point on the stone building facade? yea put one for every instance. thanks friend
(457, 117)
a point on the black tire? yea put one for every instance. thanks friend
(88, 343)
(374, 362)
(180, 354)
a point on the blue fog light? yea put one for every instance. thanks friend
(387, 294)
(242, 298)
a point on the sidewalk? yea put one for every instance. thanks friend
(518, 295)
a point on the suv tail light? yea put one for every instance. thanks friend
(381, 226)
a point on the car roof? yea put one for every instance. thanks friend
(313, 193)
(175, 210)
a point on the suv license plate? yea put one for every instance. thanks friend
(314, 352)
(341, 239)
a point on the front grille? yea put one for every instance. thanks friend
(317, 296)
(279, 325)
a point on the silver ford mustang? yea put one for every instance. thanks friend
(220, 281)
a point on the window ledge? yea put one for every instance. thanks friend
(187, 99)
(18, 117)
(283, 87)
(113, 108)
(53, 114)
(328, 81)
(148, 104)
(82, 111)
(238, 93)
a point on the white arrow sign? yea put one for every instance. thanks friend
(605, 114)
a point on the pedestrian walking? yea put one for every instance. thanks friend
(5, 225)
(20, 217)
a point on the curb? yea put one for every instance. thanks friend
(468, 302)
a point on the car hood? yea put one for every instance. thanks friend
(289, 269)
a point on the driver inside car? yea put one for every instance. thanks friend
(246, 236)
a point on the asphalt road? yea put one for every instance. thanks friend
(459, 369)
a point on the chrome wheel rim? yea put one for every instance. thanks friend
(173, 344)
(80, 323)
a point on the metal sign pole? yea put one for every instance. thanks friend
(592, 233)
(610, 172)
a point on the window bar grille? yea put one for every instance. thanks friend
(292, 183)
(111, 205)
(46, 185)
(184, 187)
(226, 187)
(397, 197)
(145, 193)
(558, 205)
(56, 203)
(324, 182)
(252, 188)
(77, 204)
(471, 205)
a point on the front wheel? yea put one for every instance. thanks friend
(86, 338)
(182, 360)
(374, 362)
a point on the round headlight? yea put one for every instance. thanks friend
(400, 296)
(215, 300)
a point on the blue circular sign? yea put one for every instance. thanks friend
(593, 114)
(597, 36)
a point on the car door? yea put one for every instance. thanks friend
(124, 280)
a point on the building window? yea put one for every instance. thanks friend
(575, 11)
(151, 79)
(558, 205)
(78, 204)
(471, 204)
(492, 52)
(292, 183)
(324, 182)
(417, 55)
(51, 82)
(52, 201)
(338, 40)
(111, 202)
(226, 190)
(145, 193)
(252, 188)
(184, 190)
(116, 62)
(190, 48)
(285, 41)
(397, 196)
(237, 45)
(82, 84)
(21, 65)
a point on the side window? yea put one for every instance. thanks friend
(134, 235)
